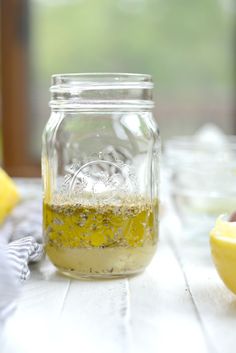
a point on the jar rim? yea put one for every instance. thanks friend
(101, 91)
(103, 79)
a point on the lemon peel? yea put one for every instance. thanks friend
(223, 251)
(9, 195)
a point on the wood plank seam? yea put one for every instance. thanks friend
(209, 344)
(126, 313)
(65, 297)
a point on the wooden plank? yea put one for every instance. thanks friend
(152, 312)
(68, 315)
(163, 317)
(97, 311)
(35, 319)
(215, 304)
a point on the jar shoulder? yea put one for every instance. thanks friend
(93, 125)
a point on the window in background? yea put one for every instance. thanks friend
(188, 47)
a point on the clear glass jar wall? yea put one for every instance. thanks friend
(100, 165)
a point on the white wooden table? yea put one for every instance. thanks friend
(178, 304)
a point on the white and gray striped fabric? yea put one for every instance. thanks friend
(9, 289)
(20, 253)
(14, 269)
(20, 244)
(21, 233)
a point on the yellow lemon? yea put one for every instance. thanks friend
(223, 250)
(9, 195)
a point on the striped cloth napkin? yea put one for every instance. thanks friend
(8, 286)
(21, 236)
(20, 253)
(14, 269)
(20, 244)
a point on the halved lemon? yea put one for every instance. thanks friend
(223, 251)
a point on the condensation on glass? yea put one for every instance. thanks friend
(100, 165)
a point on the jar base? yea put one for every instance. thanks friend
(97, 263)
(97, 276)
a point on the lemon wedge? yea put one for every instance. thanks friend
(223, 251)
(9, 195)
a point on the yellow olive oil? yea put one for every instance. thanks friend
(101, 239)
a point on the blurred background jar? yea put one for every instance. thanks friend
(202, 170)
(100, 163)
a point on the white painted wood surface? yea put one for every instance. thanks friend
(177, 305)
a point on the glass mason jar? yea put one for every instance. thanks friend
(100, 165)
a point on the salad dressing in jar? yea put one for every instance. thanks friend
(100, 163)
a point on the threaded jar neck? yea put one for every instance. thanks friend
(101, 91)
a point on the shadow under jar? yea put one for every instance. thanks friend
(100, 165)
